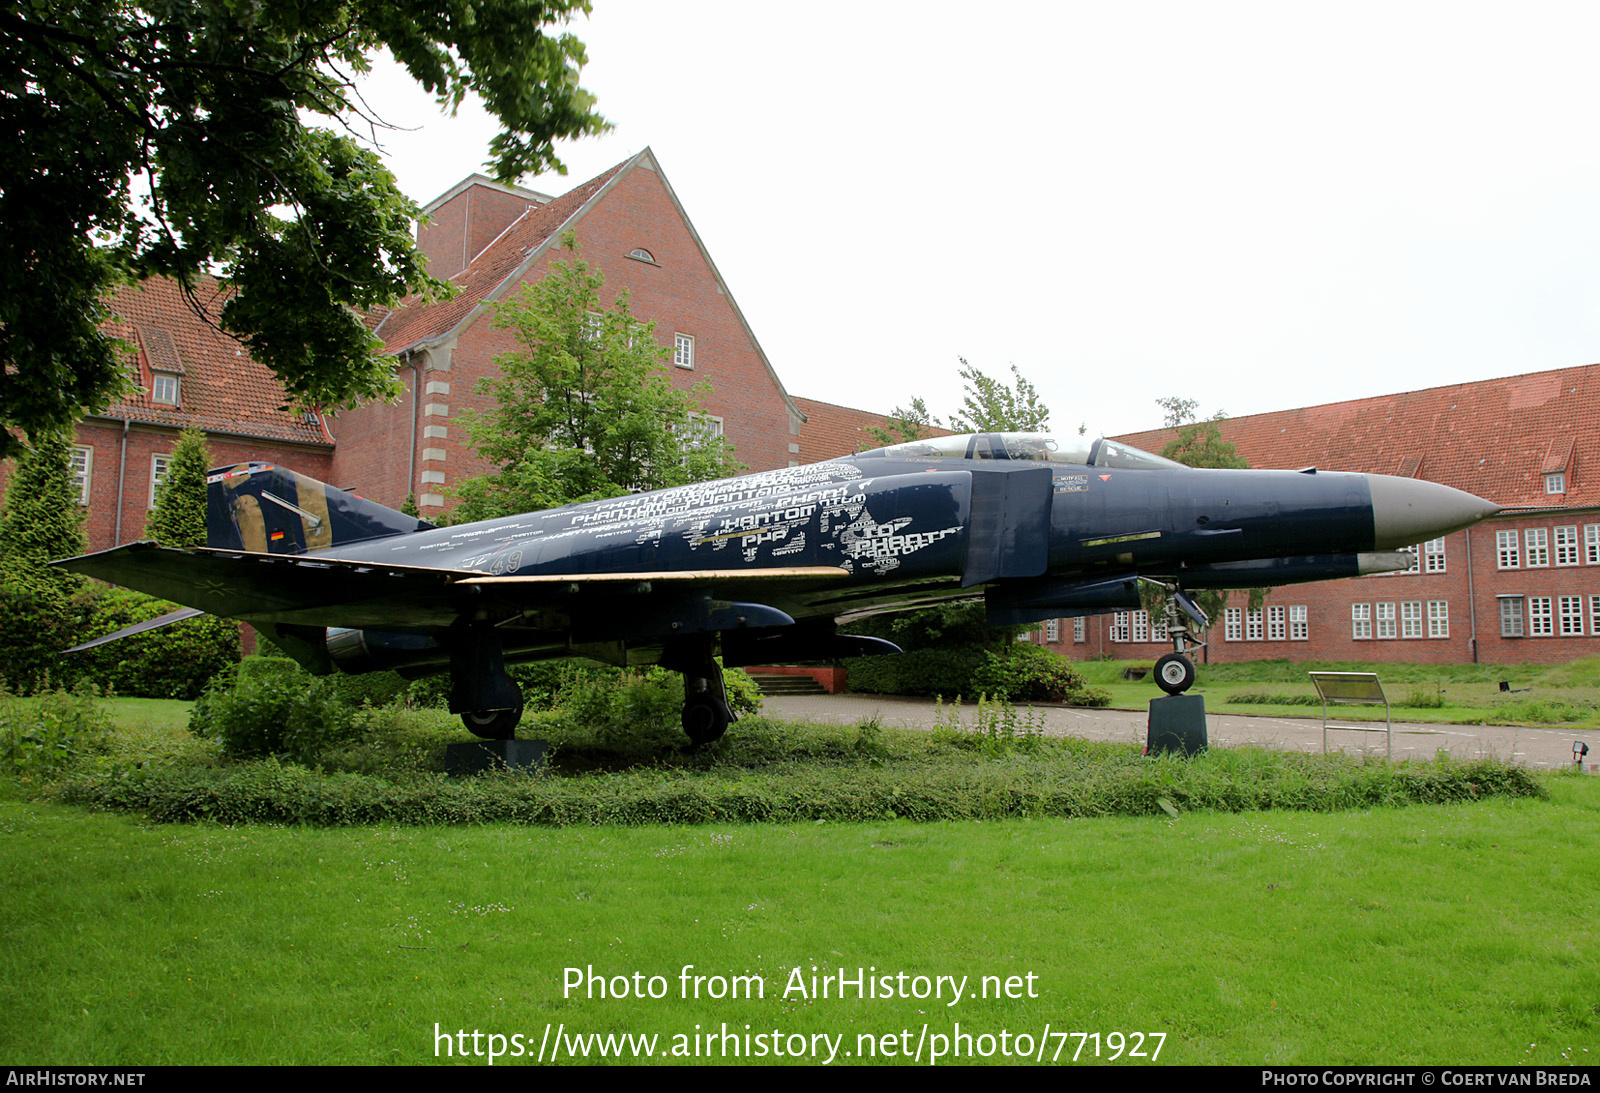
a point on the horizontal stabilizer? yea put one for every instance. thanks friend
(140, 628)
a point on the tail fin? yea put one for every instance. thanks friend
(268, 509)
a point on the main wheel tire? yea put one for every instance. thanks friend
(704, 719)
(1174, 673)
(493, 724)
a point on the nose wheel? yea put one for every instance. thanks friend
(1174, 673)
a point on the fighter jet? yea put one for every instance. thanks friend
(765, 567)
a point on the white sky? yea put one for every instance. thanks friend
(1255, 205)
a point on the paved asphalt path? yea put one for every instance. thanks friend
(1546, 748)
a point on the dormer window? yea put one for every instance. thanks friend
(164, 388)
(1555, 482)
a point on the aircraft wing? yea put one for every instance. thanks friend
(317, 590)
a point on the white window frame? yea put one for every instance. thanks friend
(1591, 544)
(1252, 626)
(1385, 617)
(1140, 621)
(1570, 615)
(82, 469)
(1052, 630)
(1508, 550)
(1361, 621)
(1433, 556)
(683, 350)
(1119, 627)
(1298, 630)
(1536, 548)
(1233, 624)
(1080, 630)
(158, 380)
(1411, 619)
(1567, 545)
(1512, 623)
(1276, 630)
(1541, 617)
(1555, 482)
(1439, 618)
(158, 473)
(1594, 615)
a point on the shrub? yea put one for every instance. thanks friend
(1020, 672)
(34, 631)
(269, 706)
(52, 731)
(176, 661)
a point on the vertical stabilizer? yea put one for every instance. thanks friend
(269, 509)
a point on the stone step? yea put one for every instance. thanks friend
(773, 684)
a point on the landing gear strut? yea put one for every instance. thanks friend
(1175, 672)
(706, 713)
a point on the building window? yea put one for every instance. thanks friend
(1411, 619)
(1141, 626)
(1233, 624)
(1433, 556)
(1413, 567)
(1439, 618)
(1119, 626)
(1555, 482)
(703, 428)
(1385, 615)
(164, 388)
(1360, 620)
(1567, 545)
(1252, 626)
(639, 254)
(1571, 616)
(1506, 549)
(1511, 616)
(1541, 621)
(1080, 630)
(1297, 622)
(1591, 544)
(1052, 630)
(1594, 614)
(1275, 627)
(158, 474)
(82, 464)
(683, 350)
(1536, 544)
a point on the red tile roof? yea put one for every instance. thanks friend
(222, 389)
(1495, 438)
(415, 321)
(832, 430)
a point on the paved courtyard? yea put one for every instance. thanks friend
(1546, 748)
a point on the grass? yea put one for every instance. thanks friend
(1436, 935)
(1566, 695)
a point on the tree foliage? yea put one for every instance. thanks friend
(169, 137)
(42, 520)
(179, 516)
(905, 425)
(1198, 443)
(991, 406)
(585, 409)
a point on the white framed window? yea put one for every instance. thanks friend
(1275, 624)
(164, 388)
(1385, 620)
(1511, 617)
(1594, 615)
(1439, 618)
(1298, 631)
(704, 427)
(1507, 552)
(1360, 620)
(594, 327)
(639, 254)
(1555, 482)
(1571, 616)
(1536, 547)
(1119, 626)
(1141, 626)
(1233, 624)
(1433, 556)
(1080, 630)
(683, 350)
(1541, 620)
(82, 466)
(1252, 626)
(1411, 619)
(158, 474)
(1158, 628)
(1567, 545)
(1052, 630)
(1415, 566)
(1591, 544)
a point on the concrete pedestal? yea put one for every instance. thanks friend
(477, 756)
(1177, 724)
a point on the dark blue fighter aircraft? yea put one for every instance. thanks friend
(764, 567)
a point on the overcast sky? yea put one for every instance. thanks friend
(1254, 205)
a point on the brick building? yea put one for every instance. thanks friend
(1523, 587)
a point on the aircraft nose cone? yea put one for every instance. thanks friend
(1406, 511)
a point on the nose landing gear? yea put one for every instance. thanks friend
(1175, 672)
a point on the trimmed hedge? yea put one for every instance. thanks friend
(1021, 672)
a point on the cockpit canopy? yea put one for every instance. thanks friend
(1042, 447)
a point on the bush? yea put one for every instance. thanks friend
(52, 731)
(1020, 672)
(35, 629)
(176, 661)
(269, 706)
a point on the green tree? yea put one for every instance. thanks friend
(585, 409)
(991, 406)
(904, 425)
(179, 516)
(42, 520)
(170, 137)
(1198, 443)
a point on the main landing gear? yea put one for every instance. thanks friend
(1175, 672)
(706, 713)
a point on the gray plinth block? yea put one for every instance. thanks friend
(477, 756)
(1177, 724)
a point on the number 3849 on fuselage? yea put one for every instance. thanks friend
(764, 567)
